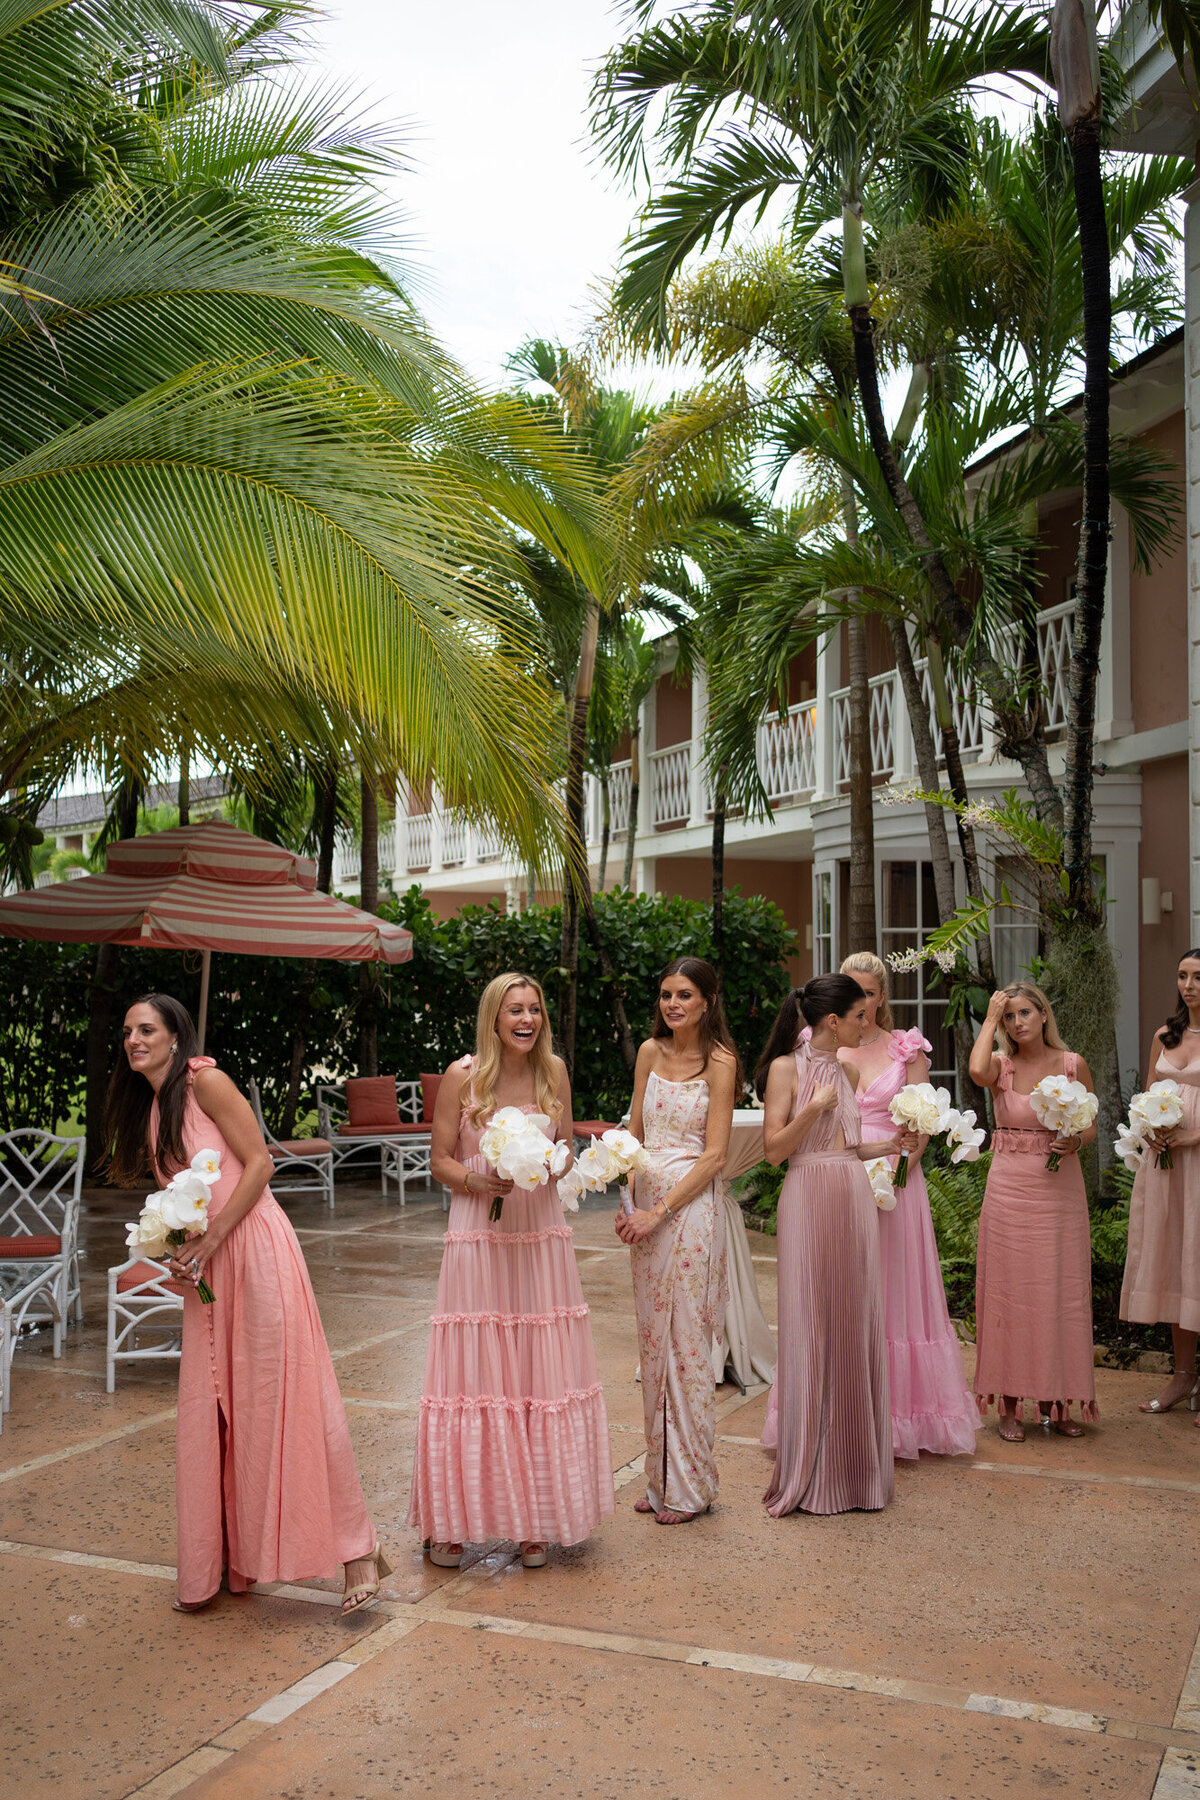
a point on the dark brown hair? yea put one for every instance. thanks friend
(130, 1098)
(806, 1005)
(1179, 1020)
(714, 1028)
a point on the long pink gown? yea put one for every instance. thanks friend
(679, 1290)
(265, 1475)
(512, 1438)
(1162, 1268)
(1033, 1272)
(932, 1406)
(834, 1448)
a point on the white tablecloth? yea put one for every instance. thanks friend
(747, 1346)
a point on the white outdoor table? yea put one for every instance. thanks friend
(747, 1346)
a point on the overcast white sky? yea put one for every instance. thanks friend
(511, 220)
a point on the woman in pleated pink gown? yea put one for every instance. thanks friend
(1033, 1272)
(266, 1486)
(932, 1406)
(512, 1437)
(834, 1433)
(1162, 1269)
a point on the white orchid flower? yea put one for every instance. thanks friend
(570, 1187)
(186, 1208)
(560, 1156)
(206, 1165)
(523, 1160)
(597, 1167)
(880, 1175)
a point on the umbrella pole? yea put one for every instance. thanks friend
(205, 971)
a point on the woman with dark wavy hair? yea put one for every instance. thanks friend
(1162, 1269)
(833, 1450)
(265, 1482)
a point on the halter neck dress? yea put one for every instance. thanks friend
(512, 1435)
(1162, 1268)
(1033, 1271)
(834, 1429)
(679, 1291)
(265, 1475)
(932, 1406)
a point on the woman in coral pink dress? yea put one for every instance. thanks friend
(512, 1439)
(1033, 1275)
(1162, 1269)
(932, 1407)
(265, 1479)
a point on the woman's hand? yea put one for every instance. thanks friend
(485, 1187)
(1066, 1146)
(996, 1007)
(189, 1260)
(824, 1098)
(633, 1227)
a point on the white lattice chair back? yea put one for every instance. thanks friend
(41, 1184)
(296, 1158)
(142, 1297)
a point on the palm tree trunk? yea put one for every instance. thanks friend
(864, 928)
(575, 869)
(100, 1010)
(635, 783)
(325, 796)
(368, 980)
(720, 806)
(958, 788)
(185, 786)
(605, 829)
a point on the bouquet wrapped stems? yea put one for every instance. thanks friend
(900, 1176)
(178, 1238)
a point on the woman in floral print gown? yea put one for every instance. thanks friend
(685, 1089)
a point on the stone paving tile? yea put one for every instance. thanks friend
(448, 1712)
(1066, 1596)
(104, 1685)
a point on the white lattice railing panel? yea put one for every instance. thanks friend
(489, 845)
(454, 839)
(881, 698)
(787, 752)
(1054, 630)
(670, 776)
(418, 841)
(619, 784)
(966, 710)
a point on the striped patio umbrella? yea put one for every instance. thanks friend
(205, 887)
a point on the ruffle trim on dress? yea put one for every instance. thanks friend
(1089, 1412)
(508, 1402)
(906, 1046)
(507, 1237)
(503, 1318)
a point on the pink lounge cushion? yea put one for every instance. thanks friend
(301, 1147)
(429, 1093)
(143, 1272)
(592, 1128)
(37, 1249)
(371, 1100)
(403, 1129)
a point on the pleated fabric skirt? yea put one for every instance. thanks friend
(834, 1430)
(1162, 1269)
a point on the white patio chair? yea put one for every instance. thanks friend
(402, 1153)
(296, 1158)
(142, 1297)
(41, 1182)
(6, 1343)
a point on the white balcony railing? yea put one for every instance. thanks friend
(787, 752)
(418, 840)
(882, 701)
(1055, 626)
(671, 784)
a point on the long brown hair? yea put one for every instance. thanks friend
(714, 1027)
(1180, 1019)
(806, 1005)
(486, 1068)
(130, 1098)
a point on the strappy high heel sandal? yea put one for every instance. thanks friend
(533, 1556)
(1158, 1406)
(443, 1556)
(355, 1598)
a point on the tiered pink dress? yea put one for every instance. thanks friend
(512, 1439)
(1033, 1273)
(834, 1432)
(265, 1476)
(932, 1407)
(1162, 1268)
(679, 1292)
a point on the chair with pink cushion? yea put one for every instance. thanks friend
(302, 1165)
(145, 1315)
(41, 1182)
(381, 1113)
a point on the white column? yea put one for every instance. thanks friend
(698, 786)
(1114, 697)
(649, 743)
(903, 754)
(1191, 237)
(400, 836)
(829, 670)
(436, 836)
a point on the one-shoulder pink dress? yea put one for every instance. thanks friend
(1033, 1271)
(512, 1437)
(265, 1475)
(834, 1429)
(932, 1406)
(1162, 1268)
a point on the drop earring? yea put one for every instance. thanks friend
(174, 1046)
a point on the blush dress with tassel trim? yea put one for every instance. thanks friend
(833, 1426)
(1033, 1279)
(265, 1475)
(512, 1437)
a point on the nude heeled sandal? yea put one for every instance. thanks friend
(355, 1598)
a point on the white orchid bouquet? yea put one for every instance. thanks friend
(177, 1212)
(517, 1147)
(1062, 1106)
(926, 1110)
(879, 1173)
(614, 1156)
(1160, 1108)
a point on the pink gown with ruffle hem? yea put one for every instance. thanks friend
(265, 1475)
(512, 1438)
(1033, 1273)
(932, 1406)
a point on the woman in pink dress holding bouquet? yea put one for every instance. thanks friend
(1033, 1274)
(932, 1406)
(266, 1485)
(512, 1438)
(1162, 1269)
